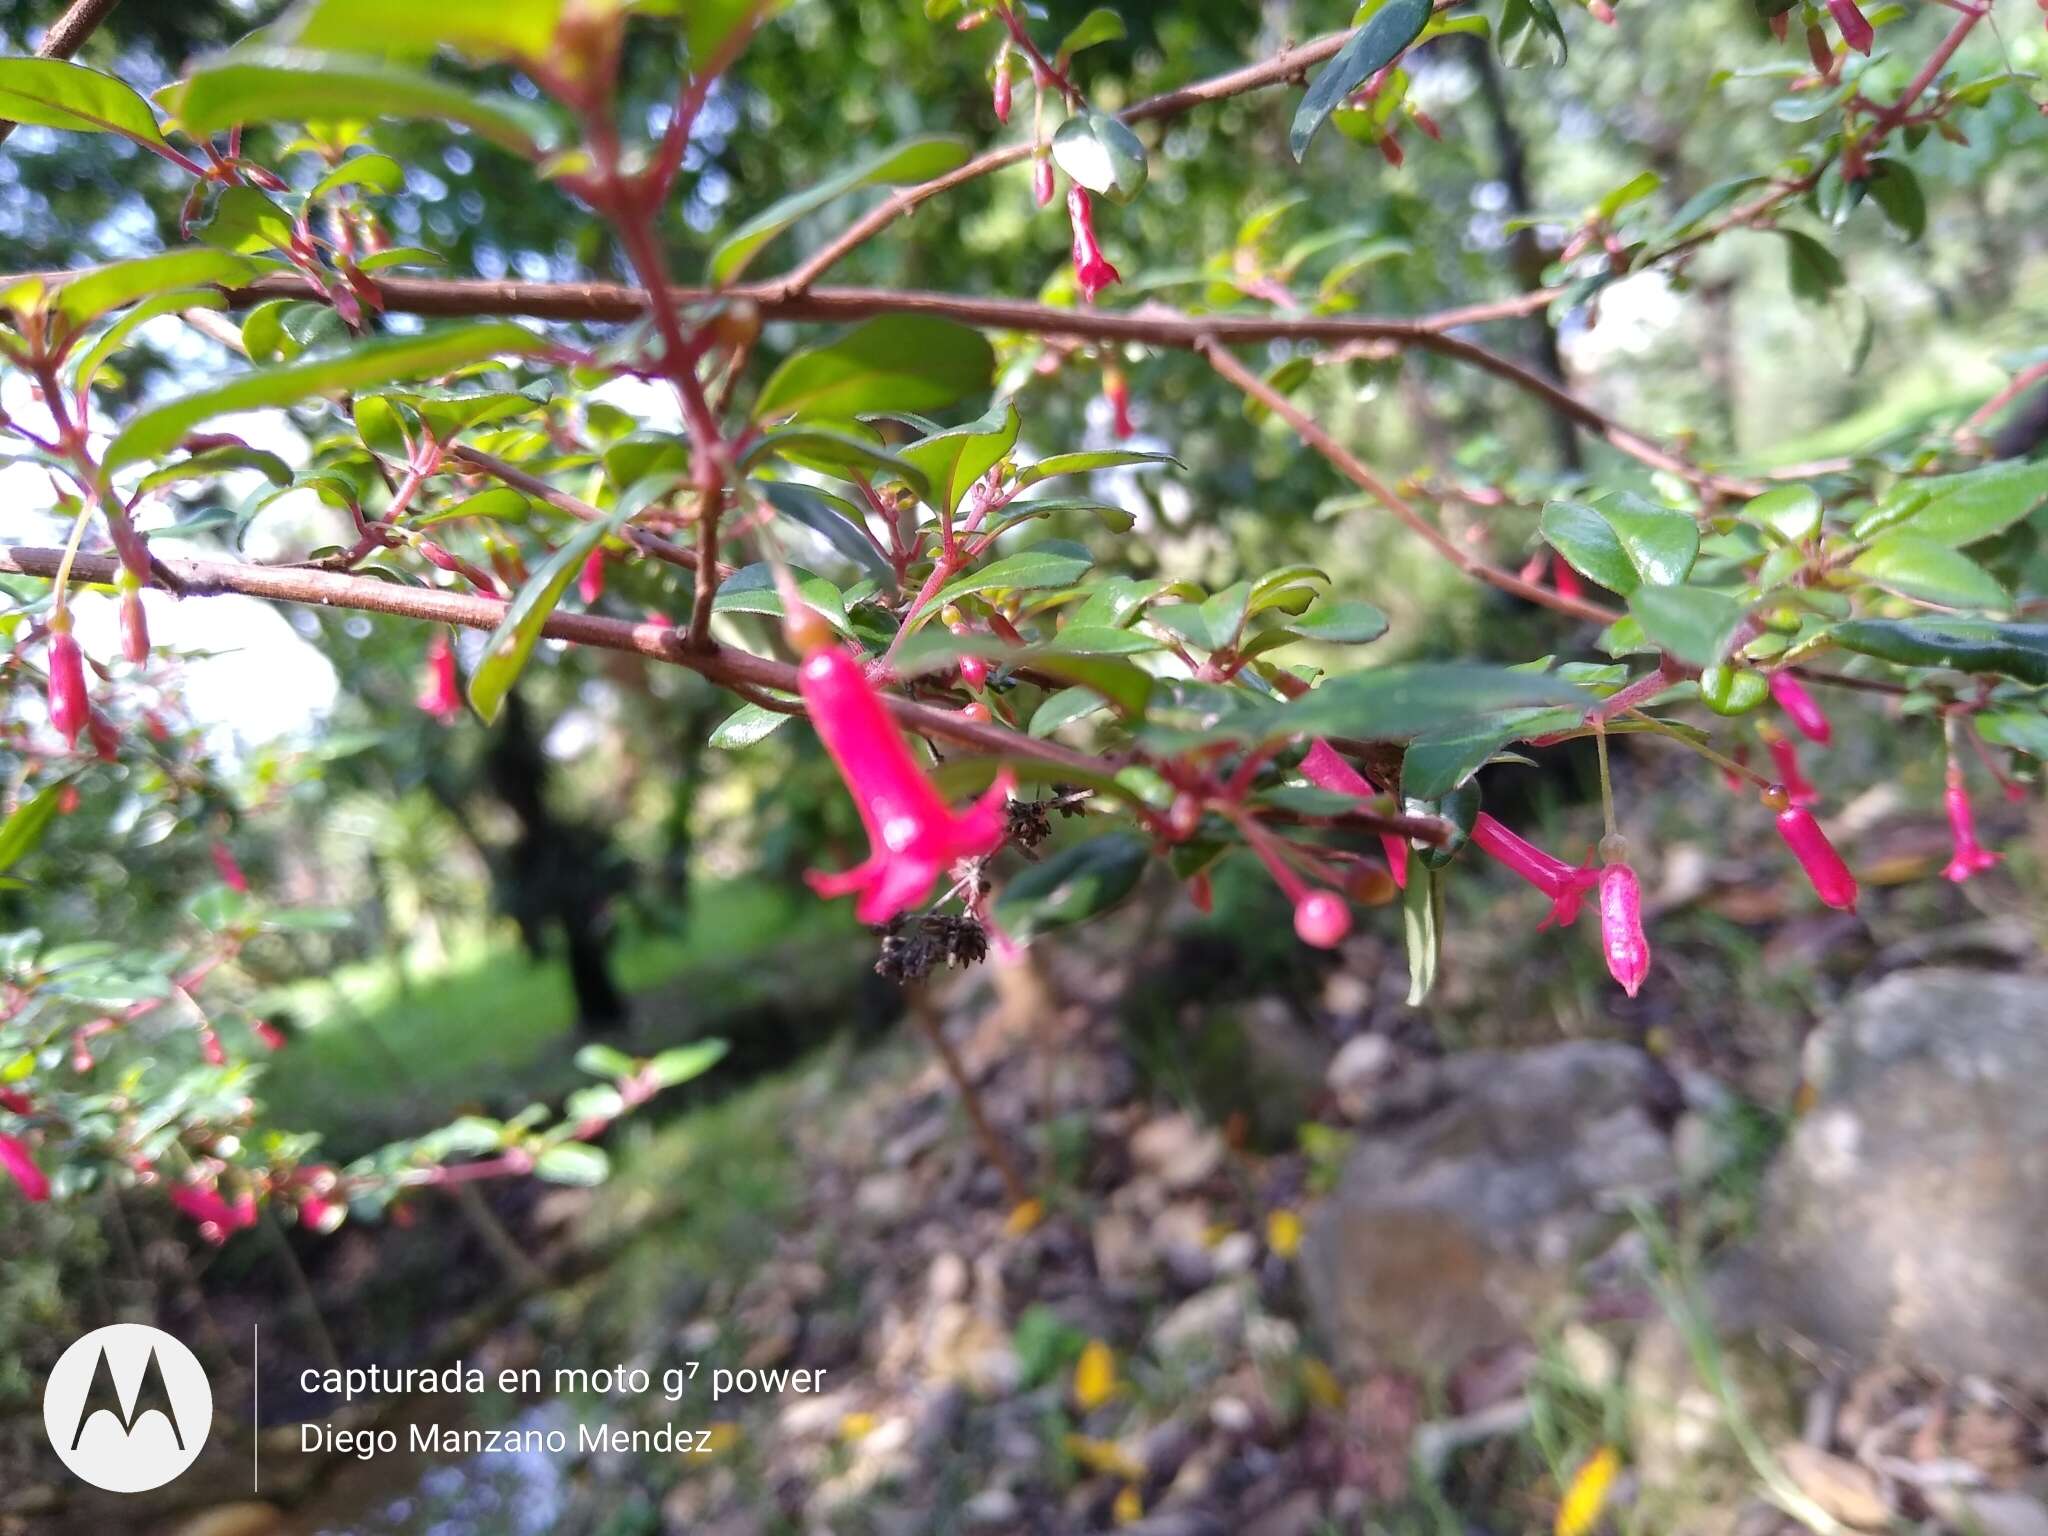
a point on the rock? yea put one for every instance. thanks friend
(1358, 1071)
(1849, 1492)
(244, 1519)
(886, 1198)
(1457, 1229)
(1206, 1325)
(1908, 1217)
(1177, 1151)
(1990, 1514)
(992, 1509)
(1124, 1260)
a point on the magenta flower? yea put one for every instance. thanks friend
(1856, 30)
(1091, 268)
(1970, 857)
(1565, 884)
(1326, 769)
(1800, 708)
(442, 695)
(1786, 759)
(134, 626)
(1117, 390)
(1832, 882)
(590, 580)
(267, 1032)
(15, 1103)
(1321, 918)
(21, 1167)
(229, 871)
(1042, 187)
(1621, 927)
(216, 1217)
(1000, 96)
(69, 710)
(915, 836)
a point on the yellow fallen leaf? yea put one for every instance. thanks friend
(1128, 1509)
(1105, 1456)
(1321, 1385)
(721, 1435)
(1587, 1495)
(1094, 1376)
(1283, 1233)
(856, 1426)
(1024, 1215)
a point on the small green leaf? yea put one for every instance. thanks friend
(377, 173)
(55, 93)
(1088, 461)
(746, 725)
(837, 520)
(1422, 922)
(1904, 562)
(1398, 703)
(1791, 514)
(512, 642)
(1051, 564)
(84, 296)
(486, 30)
(25, 828)
(954, 459)
(751, 589)
(1075, 884)
(1693, 624)
(573, 1162)
(1103, 155)
(890, 363)
(911, 161)
(2023, 730)
(1064, 708)
(246, 221)
(1439, 761)
(679, 1064)
(1813, 271)
(2017, 651)
(1100, 25)
(1530, 34)
(218, 461)
(834, 450)
(1639, 186)
(1896, 190)
(1704, 204)
(1374, 46)
(1589, 545)
(1344, 622)
(1961, 509)
(1661, 543)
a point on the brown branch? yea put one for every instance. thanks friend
(1355, 469)
(1287, 64)
(66, 36)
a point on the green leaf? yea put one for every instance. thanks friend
(286, 85)
(890, 363)
(573, 1162)
(512, 642)
(1639, 186)
(246, 221)
(1100, 25)
(1088, 461)
(1223, 614)
(156, 431)
(2017, 651)
(2023, 730)
(1530, 34)
(1897, 191)
(483, 29)
(1661, 543)
(1077, 883)
(679, 1064)
(1922, 568)
(1961, 509)
(954, 459)
(1704, 204)
(751, 589)
(55, 93)
(20, 833)
(1813, 271)
(1691, 623)
(838, 521)
(746, 725)
(911, 161)
(1103, 155)
(1422, 922)
(84, 296)
(1345, 622)
(90, 361)
(499, 503)
(378, 173)
(1064, 708)
(1437, 762)
(1589, 545)
(834, 450)
(219, 461)
(1051, 564)
(1372, 48)
(1397, 703)
(1791, 514)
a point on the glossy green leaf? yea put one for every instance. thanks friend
(1422, 923)
(751, 589)
(954, 459)
(1438, 761)
(84, 296)
(746, 725)
(574, 1163)
(1099, 26)
(1088, 461)
(1372, 48)
(218, 461)
(1660, 543)
(1961, 509)
(55, 93)
(1052, 564)
(913, 160)
(154, 432)
(1064, 708)
(1895, 189)
(890, 363)
(23, 830)
(1791, 513)
(1904, 562)
(1590, 545)
(1075, 884)
(512, 642)
(481, 29)
(115, 336)
(679, 1064)
(1101, 154)
(2017, 651)
(246, 221)
(1695, 625)
(1812, 270)
(837, 520)
(286, 85)
(835, 450)
(1530, 34)
(2021, 729)
(373, 172)
(1704, 204)
(1399, 703)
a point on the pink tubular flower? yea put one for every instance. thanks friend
(442, 695)
(134, 627)
(1117, 390)
(267, 1032)
(216, 1218)
(1800, 708)
(1855, 26)
(68, 708)
(1000, 96)
(1621, 927)
(230, 872)
(1785, 757)
(1041, 181)
(1326, 770)
(590, 580)
(15, 1103)
(915, 836)
(1832, 882)
(1321, 919)
(1091, 268)
(1565, 884)
(21, 1167)
(1565, 578)
(1970, 857)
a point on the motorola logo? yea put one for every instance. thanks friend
(128, 1408)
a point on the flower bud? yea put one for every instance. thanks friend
(1781, 25)
(590, 580)
(1818, 50)
(1785, 757)
(974, 671)
(1800, 709)
(1092, 270)
(1831, 879)
(1001, 97)
(1184, 816)
(68, 708)
(21, 1167)
(134, 622)
(1970, 857)
(1854, 25)
(268, 1033)
(1321, 919)
(1042, 181)
(1116, 389)
(1622, 939)
(230, 872)
(442, 695)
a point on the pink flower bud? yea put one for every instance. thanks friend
(442, 695)
(1855, 26)
(1818, 50)
(15, 1103)
(68, 708)
(1781, 25)
(590, 580)
(1000, 99)
(21, 1167)
(1326, 770)
(1785, 757)
(1800, 708)
(1117, 390)
(1621, 927)
(1602, 12)
(1565, 884)
(1832, 882)
(229, 871)
(216, 1217)
(1042, 181)
(1565, 578)
(1321, 919)
(106, 740)
(267, 1032)
(974, 671)
(1091, 268)
(1969, 858)
(210, 1047)
(134, 627)
(1391, 151)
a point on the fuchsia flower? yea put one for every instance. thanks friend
(134, 625)
(1800, 708)
(229, 871)
(1565, 884)
(1091, 268)
(442, 695)
(21, 1167)
(267, 1032)
(1041, 181)
(1785, 757)
(217, 1219)
(1621, 927)
(1565, 578)
(1117, 390)
(69, 710)
(915, 836)
(1000, 98)
(1970, 857)
(590, 580)
(1832, 882)
(1856, 30)
(15, 1103)
(1325, 769)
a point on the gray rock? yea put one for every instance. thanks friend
(1207, 1326)
(1357, 1072)
(1456, 1229)
(1908, 1217)
(1177, 1151)
(1990, 1514)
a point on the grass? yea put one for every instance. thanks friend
(378, 1045)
